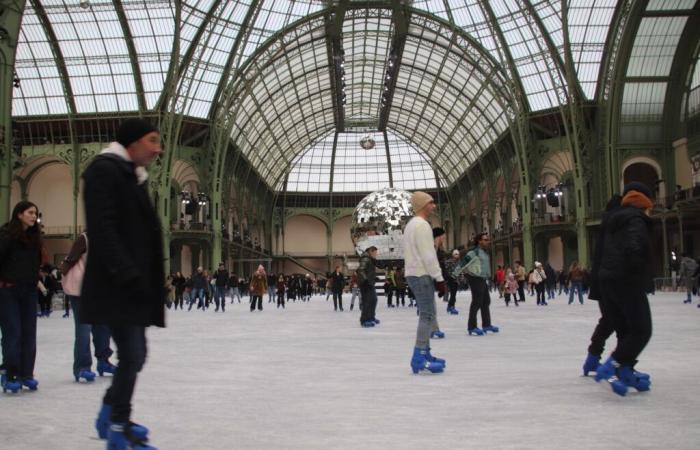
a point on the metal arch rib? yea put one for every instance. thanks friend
(177, 68)
(135, 68)
(58, 55)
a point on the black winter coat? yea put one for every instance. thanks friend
(367, 272)
(124, 276)
(626, 249)
(338, 282)
(19, 262)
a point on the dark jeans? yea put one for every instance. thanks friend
(81, 347)
(401, 295)
(521, 290)
(389, 291)
(627, 307)
(179, 298)
(253, 299)
(280, 299)
(480, 301)
(602, 331)
(452, 295)
(540, 294)
(131, 350)
(220, 297)
(338, 300)
(45, 304)
(368, 294)
(18, 325)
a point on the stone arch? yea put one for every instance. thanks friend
(52, 192)
(341, 241)
(305, 235)
(646, 170)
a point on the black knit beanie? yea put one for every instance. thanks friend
(437, 232)
(131, 130)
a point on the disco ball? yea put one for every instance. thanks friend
(379, 220)
(367, 142)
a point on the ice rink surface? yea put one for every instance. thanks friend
(310, 378)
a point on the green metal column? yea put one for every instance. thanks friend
(10, 21)
(217, 236)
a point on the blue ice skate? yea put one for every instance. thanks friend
(128, 436)
(591, 364)
(632, 379)
(13, 385)
(367, 324)
(491, 328)
(30, 383)
(437, 334)
(376, 321)
(452, 311)
(86, 375)
(420, 362)
(102, 422)
(104, 366)
(608, 372)
(429, 356)
(475, 332)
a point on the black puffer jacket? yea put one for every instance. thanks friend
(19, 262)
(626, 255)
(367, 272)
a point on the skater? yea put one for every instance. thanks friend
(478, 269)
(199, 287)
(510, 288)
(355, 289)
(271, 287)
(21, 251)
(258, 287)
(520, 278)
(73, 270)
(424, 275)
(124, 276)
(576, 276)
(220, 280)
(179, 284)
(687, 275)
(280, 291)
(338, 282)
(390, 287)
(551, 282)
(366, 278)
(233, 286)
(47, 288)
(400, 287)
(539, 278)
(624, 279)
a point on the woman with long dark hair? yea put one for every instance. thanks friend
(20, 259)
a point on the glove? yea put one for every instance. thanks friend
(441, 288)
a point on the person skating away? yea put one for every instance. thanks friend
(424, 275)
(338, 282)
(281, 287)
(47, 288)
(179, 284)
(687, 274)
(551, 281)
(73, 270)
(390, 286)
(366, 278)
(220, 280)
(124, 276)
(624, 279)
(510, 288)
(576, 276)
(258, 288)
(21, 254)
(520, 277)
(355, 290)
(233, 285)
(271, 287)
(539, 278)
(199, 286)
(477, 266)
(400, 287)
(452, 282)
(439, 238)
(500, 279)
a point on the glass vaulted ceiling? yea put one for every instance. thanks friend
(116, 57)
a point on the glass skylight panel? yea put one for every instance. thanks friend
(655, 46)
(665, 5)
(643, 102)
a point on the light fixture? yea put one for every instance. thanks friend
(16, 81)
(186, 197)
(367, 142)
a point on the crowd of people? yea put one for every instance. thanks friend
(117, 292)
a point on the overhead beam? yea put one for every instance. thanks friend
(401, 17)
(133, 56)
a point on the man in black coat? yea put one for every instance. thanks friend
(338, 286)
(124, 276)
(366, 278)
(624, 279)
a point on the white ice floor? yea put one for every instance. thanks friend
(309, 378)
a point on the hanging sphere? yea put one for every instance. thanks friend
(379, 220)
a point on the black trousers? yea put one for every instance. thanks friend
(18, 329)
(178, 298)
(400, 295)
(280, 299)
(369, 302)
(627, 307)
(253, 299)
(602, 331)
(540, 293)
(131, 351)
(452, 295)
(521, 290)
(480, 301)
(337, 300)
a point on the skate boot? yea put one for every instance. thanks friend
(475, 332)
(452, 311)
(104, 366)
(367, 324)
(433, 359)
(608, 372)
(376, 321)
(11, 384)
(591, 364)
(102, 422)
(491, 328)
(631, 379)
(30, 383)
(437, 334)
(128, 436)
(420, 362)
(86, 375)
